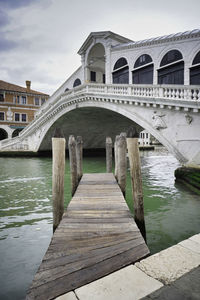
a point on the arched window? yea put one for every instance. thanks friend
(171, 69)
(143, 70)
(121, 71)
(16, 132)
(77, 82)
(3, 134)
(195, 70)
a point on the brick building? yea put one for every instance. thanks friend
(17, 107)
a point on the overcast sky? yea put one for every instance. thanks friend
(39, 39)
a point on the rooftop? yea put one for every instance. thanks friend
(179, 35)
(6, 86)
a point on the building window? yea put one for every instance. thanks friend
(171, 68)
(121, 71)
(16, 99)
(1, 98)
(170, 57)
(143, 70)
(23, 117)
(37, 101)
(77, 82)
(23, 100)
(2, 116)
(104, 78)
(42, 101)
(195, 70)
(17, 117)
(92, 76)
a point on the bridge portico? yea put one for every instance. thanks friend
(169, 113)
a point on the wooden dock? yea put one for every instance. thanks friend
(97, 236)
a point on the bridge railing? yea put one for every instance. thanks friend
(177, 92)
(168, 92)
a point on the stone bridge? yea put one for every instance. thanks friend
(170, 113)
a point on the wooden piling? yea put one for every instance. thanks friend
(58, 172)
(136, 178)
(79, 157)
(122, 163)
(116, 156)
(73, 164)
(108, 155)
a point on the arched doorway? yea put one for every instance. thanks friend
(143, 70)
(96, 64)
(195, 70)
(16, 132)
(121, 71)
(171, 69)
(3, 134)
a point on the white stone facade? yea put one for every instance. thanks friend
(169, 112)
(115, 47)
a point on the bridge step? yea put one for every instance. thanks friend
(96, 237)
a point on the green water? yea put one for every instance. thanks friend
(171, 212)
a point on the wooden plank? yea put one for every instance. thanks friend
(97, 235)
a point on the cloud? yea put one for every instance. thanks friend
(6, 44)
(13, 4)
(4, 20)
(40, 38)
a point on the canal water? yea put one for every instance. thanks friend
(171, 212)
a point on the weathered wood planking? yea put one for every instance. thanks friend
(97, 235)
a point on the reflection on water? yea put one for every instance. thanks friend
(171, 212)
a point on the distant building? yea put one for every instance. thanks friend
(17, 107)
(144, 138)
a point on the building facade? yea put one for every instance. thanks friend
(144, 138)
(17, 107)
(109, 58)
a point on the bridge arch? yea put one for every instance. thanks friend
(124, 111)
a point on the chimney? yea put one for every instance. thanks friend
(28, 85)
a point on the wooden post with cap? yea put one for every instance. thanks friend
(58, 173)
(108, 155)
(122, 162)
(73, 164)
(116, 156)
(79, 157)
(136, 179)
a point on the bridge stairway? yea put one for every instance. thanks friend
(96, 236)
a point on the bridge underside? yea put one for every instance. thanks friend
(93, 124)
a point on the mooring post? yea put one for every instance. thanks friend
(108, 155)
(136, 178)
(79, 157)
(122, 163)
(58, 173)
(116, 156)
(73, 164)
